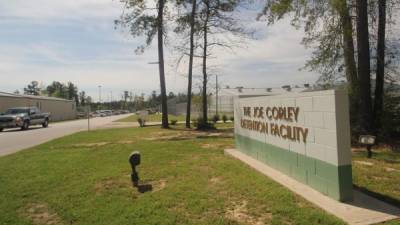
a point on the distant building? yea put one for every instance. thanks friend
(226, 96)
(177, 108)
(60, 109)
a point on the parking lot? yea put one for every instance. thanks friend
(13, 140)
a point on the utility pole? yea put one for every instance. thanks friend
(100, 96)
(88, 117)
(111, 100)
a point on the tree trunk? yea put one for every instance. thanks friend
(369, 151)
(189, 91)
(348, 48)
(349, 61)
(364, 68)
(164, 107)
(205, 31)
(380, 64)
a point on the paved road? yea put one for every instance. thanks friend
(14, 140)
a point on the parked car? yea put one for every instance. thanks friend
(99, 113)
(108, 112)
(81, 115)
(23, 117)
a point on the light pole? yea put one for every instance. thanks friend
(111, 99)
(100, 96)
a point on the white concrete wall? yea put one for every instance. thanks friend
(324, 113)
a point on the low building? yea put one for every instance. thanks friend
(226, 96)
(60, 109)
(178, 108)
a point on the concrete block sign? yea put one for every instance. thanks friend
(304, 135)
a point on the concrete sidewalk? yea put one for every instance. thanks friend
(363, 210)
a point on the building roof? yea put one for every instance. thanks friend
(5, 94)
(243, 92)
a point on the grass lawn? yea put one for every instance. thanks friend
(152, 118)
(379, 176)
(85, 179)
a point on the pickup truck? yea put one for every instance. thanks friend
(23, 117)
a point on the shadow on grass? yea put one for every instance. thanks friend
(143, 188)
(194, 130)
(183, 138)
(213, 137)
(391, 161)
(382, 197)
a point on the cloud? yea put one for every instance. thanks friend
(75, 40)
(60, 9)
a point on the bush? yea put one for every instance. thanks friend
(201, 124)
(232, 118)
(389, 131)
(194, 122)
(174, 122)
(141, 122)
(215, 118)
(224, 118)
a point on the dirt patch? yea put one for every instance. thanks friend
(239, 213)
(214, 135)
(216, 146)
(380, 178)
(176, 136)
(358, 149)
(388, 169)
(220, 135)
(40, 214)
(126, 142)
(215, 180)
(114, 184)
(171, 137)
(364, 163)
(111, 184)
(161, 134)
(205, 169)
(208, 146)
(89, 145)
(158, 185)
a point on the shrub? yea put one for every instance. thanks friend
(141, 122)
(174, 122)
(224, 118)
(201, 124)
(194, 122)
(215, 118)
(232, 118)
(389, 131)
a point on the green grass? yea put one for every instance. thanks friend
(152, 118)
(85, 179)
(380, 174)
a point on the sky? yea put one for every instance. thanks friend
(76, 40)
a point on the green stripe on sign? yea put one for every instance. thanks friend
(331, 180)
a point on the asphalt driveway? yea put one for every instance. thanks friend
(13, 140)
